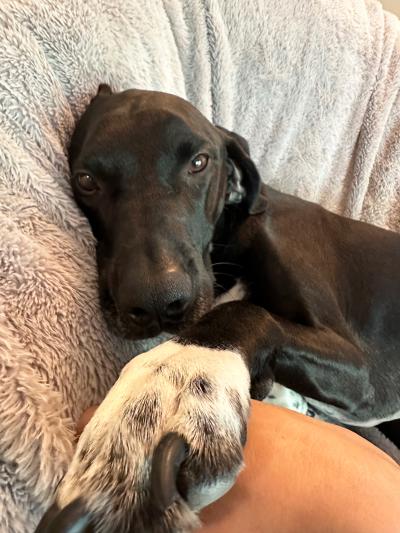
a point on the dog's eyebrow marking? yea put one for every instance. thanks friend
(201, 386)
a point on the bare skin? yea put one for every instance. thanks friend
(305, 475)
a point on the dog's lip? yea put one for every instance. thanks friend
(154, 329)
(148, 333)
(172, 328)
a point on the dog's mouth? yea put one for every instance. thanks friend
(123, 325)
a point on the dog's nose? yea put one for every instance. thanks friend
(165, 299)
(173, 311)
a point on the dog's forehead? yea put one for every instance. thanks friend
(149, 116)
(153, 102)
(126, 131)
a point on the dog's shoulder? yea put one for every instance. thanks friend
(286, 221)
(281, 206)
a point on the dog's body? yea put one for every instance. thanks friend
(177, 207)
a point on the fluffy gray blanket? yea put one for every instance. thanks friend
(314, 87)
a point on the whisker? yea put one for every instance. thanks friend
(219, 286)
(225, 274)
(222, 245)
(226, 263)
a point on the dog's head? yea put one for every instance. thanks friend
(153, 177)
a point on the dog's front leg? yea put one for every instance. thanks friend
(131, 472)
(196, 386)
(315, 362)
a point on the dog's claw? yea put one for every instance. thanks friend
(167, 460)
(74, 518)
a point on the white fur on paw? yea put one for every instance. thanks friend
(200, 393)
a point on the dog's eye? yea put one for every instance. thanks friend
(199, 163)
(86, 183)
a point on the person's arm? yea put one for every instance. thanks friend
(305, 475)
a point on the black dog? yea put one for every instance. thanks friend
(179, 213)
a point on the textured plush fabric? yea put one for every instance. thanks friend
(313, 85)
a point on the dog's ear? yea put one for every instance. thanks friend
(244, 182)
(104, 90)
(82, 125)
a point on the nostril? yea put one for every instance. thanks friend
(176, 309)
(140, 315)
